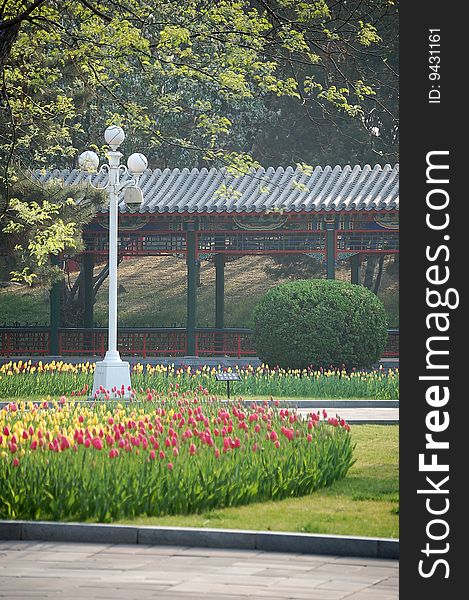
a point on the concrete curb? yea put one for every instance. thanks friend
(301, 543)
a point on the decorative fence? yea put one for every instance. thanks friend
(142, 342)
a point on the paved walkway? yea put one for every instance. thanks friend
(31, 570)
(352, 415)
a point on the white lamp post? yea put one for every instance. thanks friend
(113, 374)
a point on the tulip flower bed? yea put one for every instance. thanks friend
(22, 379)
(102, 462)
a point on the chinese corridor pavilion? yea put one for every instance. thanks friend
(334, 214)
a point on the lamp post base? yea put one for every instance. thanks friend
(111, 375)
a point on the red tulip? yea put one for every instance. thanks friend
(97, 443)
(16, 462)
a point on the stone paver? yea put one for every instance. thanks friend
(43, 570)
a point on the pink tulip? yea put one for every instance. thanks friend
(97, 443)
(192, 450)
(16, 462)
(170, 466)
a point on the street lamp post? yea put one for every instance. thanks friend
(112, 374)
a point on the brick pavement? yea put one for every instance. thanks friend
(72, 571)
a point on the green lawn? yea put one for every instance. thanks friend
(153, 293)
(365, 503)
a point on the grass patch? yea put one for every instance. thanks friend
(365, 503)
(153, 294)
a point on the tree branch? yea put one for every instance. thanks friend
(22, 16)
(96, 11)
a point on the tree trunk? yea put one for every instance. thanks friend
(371, 261)
(8, 35)
(379, 276)
(9, 28)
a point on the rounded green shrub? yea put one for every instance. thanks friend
(319, 323)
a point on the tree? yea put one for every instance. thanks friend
(44, 220)
(227, 82)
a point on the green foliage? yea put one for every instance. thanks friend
(319, 323)
(185, 79)
(44, 219)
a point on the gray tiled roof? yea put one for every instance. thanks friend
(208, 191)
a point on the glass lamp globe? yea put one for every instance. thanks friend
(88, 161)
(114, 136)
(137, 163)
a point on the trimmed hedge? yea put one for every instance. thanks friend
(320, 323)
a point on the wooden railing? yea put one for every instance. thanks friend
(142, 342)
